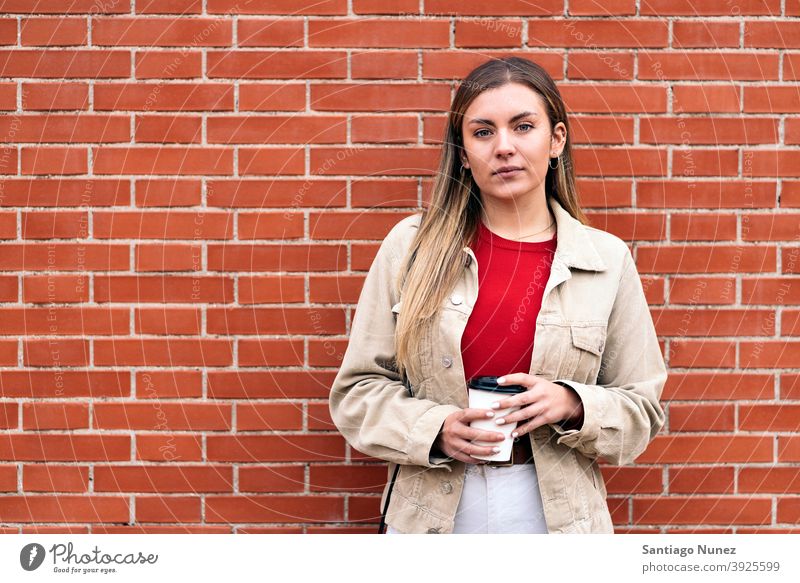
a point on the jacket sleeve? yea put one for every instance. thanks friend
(369, 402)
(622, 413)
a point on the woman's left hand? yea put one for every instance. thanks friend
(544, 402)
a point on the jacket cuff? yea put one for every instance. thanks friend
(424, 433)
(592, 413)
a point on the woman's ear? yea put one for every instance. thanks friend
(558, 140)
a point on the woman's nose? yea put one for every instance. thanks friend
(504, 144)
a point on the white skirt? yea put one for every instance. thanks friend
(504, 500)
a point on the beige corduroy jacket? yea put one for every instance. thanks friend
(594, 332)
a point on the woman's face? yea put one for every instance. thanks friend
(508, 126)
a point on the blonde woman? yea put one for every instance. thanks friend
(501, 276)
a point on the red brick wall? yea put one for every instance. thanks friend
(192, 191)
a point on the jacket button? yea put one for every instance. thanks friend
(434, 530)
(447, 362)
(447, 487)
(456, 299)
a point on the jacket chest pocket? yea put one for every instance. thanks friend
(584, 355)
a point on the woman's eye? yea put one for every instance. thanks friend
(478, 134)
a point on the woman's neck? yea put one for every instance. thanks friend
(528, 224)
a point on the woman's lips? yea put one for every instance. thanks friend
(508, 173)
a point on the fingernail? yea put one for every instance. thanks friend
(496, 405)
(496, 450)
(500, 421)
(514, 434)
(490, 413)
(501, 379)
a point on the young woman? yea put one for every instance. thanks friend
(501, 276)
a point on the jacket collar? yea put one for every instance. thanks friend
(574, 246)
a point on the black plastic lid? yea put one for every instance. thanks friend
(489, 383)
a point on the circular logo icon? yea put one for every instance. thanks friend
(31, 556)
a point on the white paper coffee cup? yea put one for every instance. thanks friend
(483, 391)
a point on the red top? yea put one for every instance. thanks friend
(512, 275)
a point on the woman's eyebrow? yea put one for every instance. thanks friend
(489, 122)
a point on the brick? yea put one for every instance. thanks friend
(509, 8)
(259, 193)
(39, 416)
(55, 225)
(706, 227)
(162, 225)
(168, 64)
(699, 417)
(769, 480)
(159, 416)
(597, 64)
(172, 352)
(55, 478)
(382, 64)
(163, 479)
(66, 384)
(69, 448)
(701, 66)
(271, 479)
(379, 33)
(268, 32)
(65, 64)
(266, 257)
(264, 448)
(274, 384)
(274, 509)
(163, 97)
(327, 7)
(168, 288)
(705, 34)
(167, 447)
(705, 194)
(54, 160)
(53, 31)
(64, 508)
(162, 32)
(55, 96)
(163, 160)
(168, 192)
(168, 257)
(64, 321)
(300, 64)
(707, 449)
(171, 321)
(168, 509)
(701, 480)
(695, 510)
(269, 417)
(168, 129)
(8, 416)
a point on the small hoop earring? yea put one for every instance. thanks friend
(464, 168)
(558, 162)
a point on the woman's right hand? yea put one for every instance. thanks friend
(456, 436)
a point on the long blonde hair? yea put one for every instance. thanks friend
(435, 259)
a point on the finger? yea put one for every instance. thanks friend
(469, 449)
(473, 414)
(520, 400)
(533, 423)
(518, 378)
(472, 434)
(523, 414)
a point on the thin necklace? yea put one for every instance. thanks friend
(536, 233)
